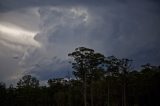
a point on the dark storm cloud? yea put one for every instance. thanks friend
(117, 29)
(136, 30)
(7, 5)
(124, 28)
(53, 68)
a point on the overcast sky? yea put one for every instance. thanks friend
(37, 35)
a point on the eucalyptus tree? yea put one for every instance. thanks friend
(28, 81)
(111, 65)
(118, 68)
(125, 67)
(27, 89)
(87, 65)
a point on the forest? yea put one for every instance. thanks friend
(97, 81)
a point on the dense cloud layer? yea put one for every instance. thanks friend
(48, 30)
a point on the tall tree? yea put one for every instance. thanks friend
(124, 69)
(118, 68)
(112, 69)
(86, 63)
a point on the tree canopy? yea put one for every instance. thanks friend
(98, 81)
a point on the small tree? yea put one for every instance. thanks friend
(28, 81)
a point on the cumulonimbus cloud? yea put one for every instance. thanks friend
(124, 28)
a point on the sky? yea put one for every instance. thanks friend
(37, 35)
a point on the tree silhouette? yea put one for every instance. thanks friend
(87, 66)
(28, 81)
(96, 78)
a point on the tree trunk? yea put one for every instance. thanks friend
(124, 102)
(85, 90)
(91, 94)
(108, 94)
(124, 94)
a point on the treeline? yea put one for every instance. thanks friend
(97, 81)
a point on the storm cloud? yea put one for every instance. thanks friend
(46, 31)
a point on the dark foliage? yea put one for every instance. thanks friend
(100, 81)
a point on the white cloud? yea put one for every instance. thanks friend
(17, 36)
(14, 34)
